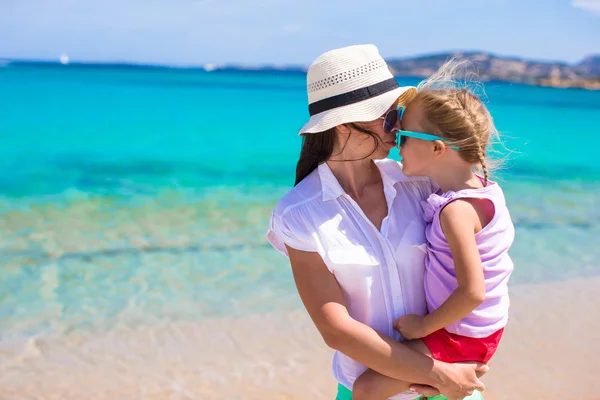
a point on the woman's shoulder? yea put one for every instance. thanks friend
(305, 192)
(290, 221)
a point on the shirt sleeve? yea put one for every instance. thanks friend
(289, 230)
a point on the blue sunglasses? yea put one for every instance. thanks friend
(392, 117)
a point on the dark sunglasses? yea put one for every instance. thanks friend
(391, 118)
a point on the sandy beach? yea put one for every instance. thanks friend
(548, 352)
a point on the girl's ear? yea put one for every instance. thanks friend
(439, 148)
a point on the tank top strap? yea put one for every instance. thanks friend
(436, 202)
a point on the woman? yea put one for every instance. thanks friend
(353, 229)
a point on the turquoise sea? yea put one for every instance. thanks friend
(136, 195)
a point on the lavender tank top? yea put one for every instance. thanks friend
(493, 242)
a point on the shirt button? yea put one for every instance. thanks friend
(397, 296)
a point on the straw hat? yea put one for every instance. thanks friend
(350, 84)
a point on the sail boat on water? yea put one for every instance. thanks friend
(64, 59)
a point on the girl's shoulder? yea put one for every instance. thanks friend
(482, 201)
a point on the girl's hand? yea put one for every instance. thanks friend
(410, 326)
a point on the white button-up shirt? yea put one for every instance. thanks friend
(380, 272)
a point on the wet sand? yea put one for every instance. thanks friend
(549, 351)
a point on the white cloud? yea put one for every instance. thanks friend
(588, 5)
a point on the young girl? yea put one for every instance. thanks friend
(445, 133)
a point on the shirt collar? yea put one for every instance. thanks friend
(331, 188)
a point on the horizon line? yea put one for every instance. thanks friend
(274, 66)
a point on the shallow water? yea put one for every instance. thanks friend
(142, 196)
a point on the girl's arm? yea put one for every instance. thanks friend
(460, 221)
(325, 304)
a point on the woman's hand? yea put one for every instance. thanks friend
(455, 380)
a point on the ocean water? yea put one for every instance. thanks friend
(140, 196)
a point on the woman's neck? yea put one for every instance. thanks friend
(355, 176)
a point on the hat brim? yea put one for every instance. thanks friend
(366, 110)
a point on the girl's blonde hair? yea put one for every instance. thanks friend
(457, 114)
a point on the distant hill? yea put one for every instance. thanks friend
(491, 67)
(590, 66)
(585, 74)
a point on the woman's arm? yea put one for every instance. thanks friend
(324, 302)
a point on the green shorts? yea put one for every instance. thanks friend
(345, 394)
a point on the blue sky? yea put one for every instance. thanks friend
(195, 32)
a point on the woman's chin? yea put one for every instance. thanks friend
(386, 152)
